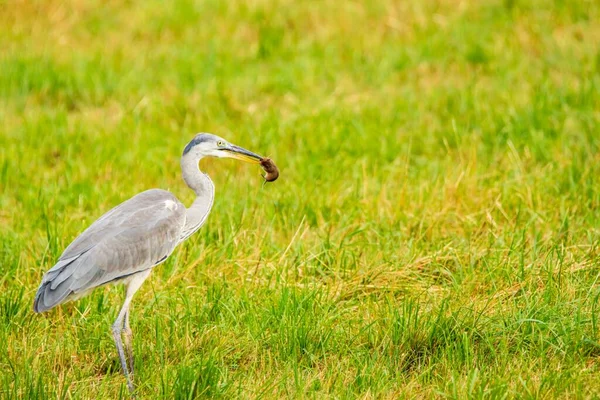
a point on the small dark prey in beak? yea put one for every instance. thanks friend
(271, 171)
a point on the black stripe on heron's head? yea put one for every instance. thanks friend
(203, 137)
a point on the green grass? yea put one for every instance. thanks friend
(434, 232)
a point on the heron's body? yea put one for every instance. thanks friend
(124, 244)
(133, 237)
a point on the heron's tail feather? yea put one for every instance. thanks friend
(55, 287)
(46, 298)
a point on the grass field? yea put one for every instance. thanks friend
(435, 231)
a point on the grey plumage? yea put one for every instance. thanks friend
(135, 235)
(124, 244)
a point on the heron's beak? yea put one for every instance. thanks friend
(242, 154)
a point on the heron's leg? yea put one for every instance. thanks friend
(128, 336)
(117, 327)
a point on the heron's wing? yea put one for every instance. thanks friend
(132, 237)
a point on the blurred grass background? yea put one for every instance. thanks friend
(434, 231)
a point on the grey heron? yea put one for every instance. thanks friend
(127, 242)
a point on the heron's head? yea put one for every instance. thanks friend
(209, 145)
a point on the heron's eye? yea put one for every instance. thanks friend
(221, 143)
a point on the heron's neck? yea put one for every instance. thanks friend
(198, 181)
(201, 184)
